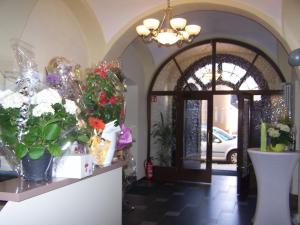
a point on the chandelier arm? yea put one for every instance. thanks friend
(147, 39)
(161, 24)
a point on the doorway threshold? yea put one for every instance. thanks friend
(224, 172)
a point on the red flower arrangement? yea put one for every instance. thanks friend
(101, 97)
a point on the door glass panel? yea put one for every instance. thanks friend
(269, 74)
(232, 62)
(163, 133)
(195, 134)
(225, 125)
(188, 57)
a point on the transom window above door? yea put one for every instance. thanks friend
(233, 65)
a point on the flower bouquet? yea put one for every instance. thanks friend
(34, 125)
(103, 99)
(280, 136)
(51, 122)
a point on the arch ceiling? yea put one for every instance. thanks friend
(119, 18)
(115, 14)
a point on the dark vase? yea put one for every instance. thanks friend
(37, 169)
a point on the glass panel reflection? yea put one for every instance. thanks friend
(195, 134)
(267, 108)
(163, 134)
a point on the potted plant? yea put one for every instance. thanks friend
(163, 134)
(39, 135)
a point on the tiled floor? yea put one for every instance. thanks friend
(188, 204)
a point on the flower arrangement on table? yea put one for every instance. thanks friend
(50, 122)
(103, 100)
(280, 135)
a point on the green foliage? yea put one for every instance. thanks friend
(41, 133)
(163, 134)
(101, 98)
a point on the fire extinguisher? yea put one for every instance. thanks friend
(148, 169)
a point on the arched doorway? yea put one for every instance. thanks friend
(182, 106)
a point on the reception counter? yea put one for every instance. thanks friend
(94, 200)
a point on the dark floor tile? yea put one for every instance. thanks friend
(162, 203)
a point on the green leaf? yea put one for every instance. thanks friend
(8, 139)
(21, 150)
(52, 121)
(54, 150)
(83, 138)
(36, 152)
(52, 132)
(31, 137)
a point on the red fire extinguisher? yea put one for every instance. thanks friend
(148, 169)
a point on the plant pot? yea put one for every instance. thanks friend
(38, 169)
(277, 147)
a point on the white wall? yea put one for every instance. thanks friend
(47, 25)
(132, 67)
(131, 120)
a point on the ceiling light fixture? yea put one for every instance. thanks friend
(170, 31)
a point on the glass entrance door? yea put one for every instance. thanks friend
(196, 151)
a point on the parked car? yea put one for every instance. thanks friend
(224, 146)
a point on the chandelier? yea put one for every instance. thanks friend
(170, 31)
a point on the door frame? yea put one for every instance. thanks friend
(242, 180)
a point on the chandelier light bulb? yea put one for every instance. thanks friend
(184, 35)
(167, 37)
(178, 23)
(193, 29)
(142, 30)
(151, 23)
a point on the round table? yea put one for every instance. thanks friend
(273, 174)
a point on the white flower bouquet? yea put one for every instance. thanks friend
(51, 122)
(280, 133)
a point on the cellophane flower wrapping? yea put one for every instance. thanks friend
(18, 102)
(34, 120)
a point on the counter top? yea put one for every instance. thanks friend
(18, 189)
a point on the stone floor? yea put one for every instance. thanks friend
(188, 204)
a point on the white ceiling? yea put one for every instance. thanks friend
(115, 15)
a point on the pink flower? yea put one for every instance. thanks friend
(113, 100)
(101, 71)
(102, 98)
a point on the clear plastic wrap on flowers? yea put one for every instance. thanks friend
(15, 105)
(36, 124)
(61, 76)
